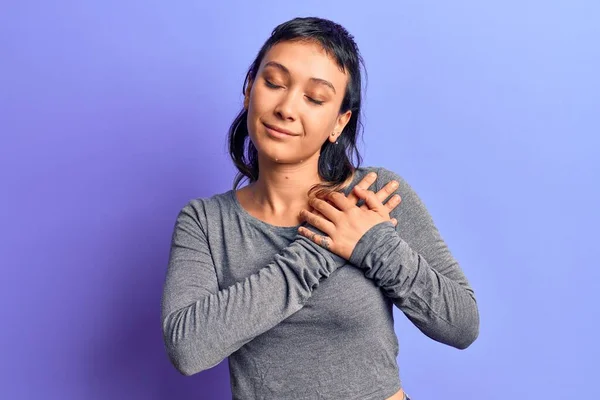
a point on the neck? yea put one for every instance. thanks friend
(281, 188)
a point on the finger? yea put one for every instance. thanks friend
(326, 209)
(339, 203)
(373, 203)
(317, 213)
(313, 210)
(393, 202)
(365, 183)
(371, 200)
(323, 241)
(385, 191)
(318, 222)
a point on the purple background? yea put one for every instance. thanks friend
(113, 114)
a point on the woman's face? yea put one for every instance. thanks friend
(297, 88)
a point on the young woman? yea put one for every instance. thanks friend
(293, 277)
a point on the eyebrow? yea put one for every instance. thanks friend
(286, 71)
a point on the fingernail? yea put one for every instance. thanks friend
(372, 175)
(394, 184)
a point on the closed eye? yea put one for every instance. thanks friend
(273, 86)
(318, 102)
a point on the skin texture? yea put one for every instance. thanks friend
(289, 167)
(299, 88)
(291, 105)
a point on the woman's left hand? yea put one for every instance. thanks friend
(342, 221)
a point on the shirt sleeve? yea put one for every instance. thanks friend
(413, 266)
(203, 325)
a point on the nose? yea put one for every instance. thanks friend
(286, 108)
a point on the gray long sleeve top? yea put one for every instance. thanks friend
(297, 321)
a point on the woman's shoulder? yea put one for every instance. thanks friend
(412, 206)
(410, 198)
(197, 208)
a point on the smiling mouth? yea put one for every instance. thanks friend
(273, 131)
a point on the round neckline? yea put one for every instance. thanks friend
(246, 215)
(251, 218)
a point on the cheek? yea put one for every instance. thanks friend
(320, 124)
(255, 109)
(261, 99)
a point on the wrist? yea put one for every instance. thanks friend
(369, 240)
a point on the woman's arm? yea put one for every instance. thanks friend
(203, 325)
(414, 267)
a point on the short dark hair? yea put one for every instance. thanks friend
(335, 161)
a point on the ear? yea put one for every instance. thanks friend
(247, 94)
(340, 124)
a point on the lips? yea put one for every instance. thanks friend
(280, 130)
